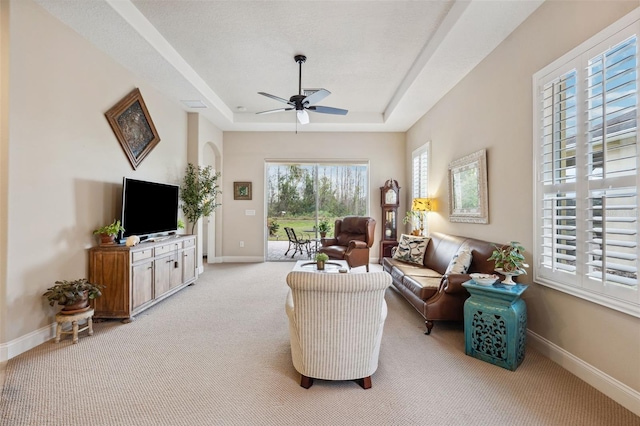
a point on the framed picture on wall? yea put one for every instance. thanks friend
(132, 125)
(468, 199)
(241, 190)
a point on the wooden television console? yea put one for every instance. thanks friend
(138, 277)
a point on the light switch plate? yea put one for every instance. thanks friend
(250, 212)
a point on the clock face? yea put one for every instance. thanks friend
(390, 197)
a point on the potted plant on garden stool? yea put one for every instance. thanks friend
(509, 260)
(108, 233)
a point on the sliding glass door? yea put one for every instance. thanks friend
(300, 194)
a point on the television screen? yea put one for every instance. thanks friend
(148, 208)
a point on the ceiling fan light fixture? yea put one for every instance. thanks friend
(303, 116)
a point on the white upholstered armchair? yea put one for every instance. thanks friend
(335, 324)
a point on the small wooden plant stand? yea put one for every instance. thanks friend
(62, 319)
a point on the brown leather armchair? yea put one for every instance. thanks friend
(352, 240)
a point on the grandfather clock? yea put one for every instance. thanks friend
(389, 201)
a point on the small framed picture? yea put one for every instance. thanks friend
(241, 190)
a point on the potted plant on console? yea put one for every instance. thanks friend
(509, 261)
(321, 258)
(108, 233)
(74, 295)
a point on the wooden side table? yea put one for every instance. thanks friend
(495, 323)
(62, 319)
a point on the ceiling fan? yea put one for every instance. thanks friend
(302, 103)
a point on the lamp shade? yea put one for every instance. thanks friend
(422, 204)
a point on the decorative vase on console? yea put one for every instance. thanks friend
(509, 261)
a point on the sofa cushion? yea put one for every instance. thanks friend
(405, 268)
(423, 287)
(460, 262)
(411, 249)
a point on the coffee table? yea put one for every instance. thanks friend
(330, 266)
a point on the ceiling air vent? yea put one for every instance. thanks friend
(194, 104)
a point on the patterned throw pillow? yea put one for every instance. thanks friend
(411, 249)
(460, 262)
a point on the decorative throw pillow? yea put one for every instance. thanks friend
(460, 262)
(411, 249)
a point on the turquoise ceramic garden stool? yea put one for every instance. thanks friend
(495, 323)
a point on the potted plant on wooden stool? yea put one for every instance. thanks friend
(108, 233)
(74, 295)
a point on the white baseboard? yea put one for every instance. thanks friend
(243, 259)
(28, 341)
(614, 389)
(214, 259)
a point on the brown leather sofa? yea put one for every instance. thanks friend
(352, 240)
(434, 295)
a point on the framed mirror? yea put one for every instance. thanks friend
(468, 200)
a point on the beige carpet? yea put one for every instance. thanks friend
(217, 353)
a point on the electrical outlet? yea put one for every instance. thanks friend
(241, 243)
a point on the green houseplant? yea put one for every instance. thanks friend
(108, 233)
(321, 258)
(323, 227)
(273, 225)
(409, 218)
(198, 193)
(509, 260)
(73, 295)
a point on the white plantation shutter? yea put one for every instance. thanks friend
(587, 173)
(420, 172)
(420, 178)
(558, 174)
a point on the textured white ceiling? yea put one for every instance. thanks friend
(387, 62)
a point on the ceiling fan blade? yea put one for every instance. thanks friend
(316, 97)
(286, 101)
(328, 110)
(303, 117)
(274, 110)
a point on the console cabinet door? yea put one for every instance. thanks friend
(142, 284)
(162, 278)
(188, 264)
(176, 271)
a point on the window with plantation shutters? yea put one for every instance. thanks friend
(585, 131)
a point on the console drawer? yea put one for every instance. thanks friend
(168, 248)
(141, 255)
(190, 242)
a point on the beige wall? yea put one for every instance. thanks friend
(205, 149)
(4, 163)
(245, 154)
(66, 166)
(492, 108)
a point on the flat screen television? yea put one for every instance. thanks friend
(148, 208)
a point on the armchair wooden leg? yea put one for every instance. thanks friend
(365, 382)
(305, 381)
